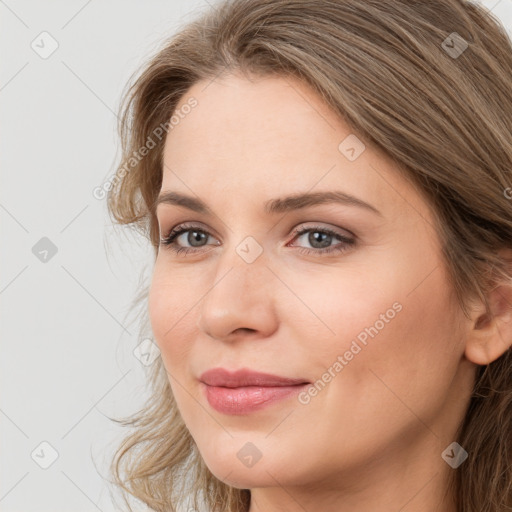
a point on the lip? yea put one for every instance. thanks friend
(245, 391)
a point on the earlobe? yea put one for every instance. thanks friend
(491, 334)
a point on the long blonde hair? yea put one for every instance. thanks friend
(428, 83)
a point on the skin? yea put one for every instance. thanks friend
(372, 438)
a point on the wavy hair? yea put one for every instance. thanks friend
(438, 103)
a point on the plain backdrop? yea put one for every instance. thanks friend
(67, 276)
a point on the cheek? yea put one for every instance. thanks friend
(394, 339)
(169, 306)
(410, 361)
(337, 308)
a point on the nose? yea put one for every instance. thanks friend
(239, 299)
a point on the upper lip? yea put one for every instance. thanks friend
(244, 377)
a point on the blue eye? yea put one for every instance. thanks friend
(197, 235)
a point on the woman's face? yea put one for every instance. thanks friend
(359, 306)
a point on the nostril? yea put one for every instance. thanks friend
(244, 329)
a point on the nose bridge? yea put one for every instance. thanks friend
(239, 295)
(243, 266)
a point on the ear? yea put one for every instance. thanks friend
(491, 335)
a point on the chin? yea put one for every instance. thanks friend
(230, 468)
(245, 478)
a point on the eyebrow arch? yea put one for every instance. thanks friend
(272, 206)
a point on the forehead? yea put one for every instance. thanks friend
(273, 136)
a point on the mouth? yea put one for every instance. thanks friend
(245, 391)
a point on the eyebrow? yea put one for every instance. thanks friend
(272, 206)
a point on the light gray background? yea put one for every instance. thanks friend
(67, 346)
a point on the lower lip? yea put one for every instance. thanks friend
(248, 399)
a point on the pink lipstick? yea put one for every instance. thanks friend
(245, 391)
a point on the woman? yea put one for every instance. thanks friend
(326, 185)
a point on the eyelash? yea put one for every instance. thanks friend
(346, 243)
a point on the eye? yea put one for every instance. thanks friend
(196, 236)
(319, 238)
